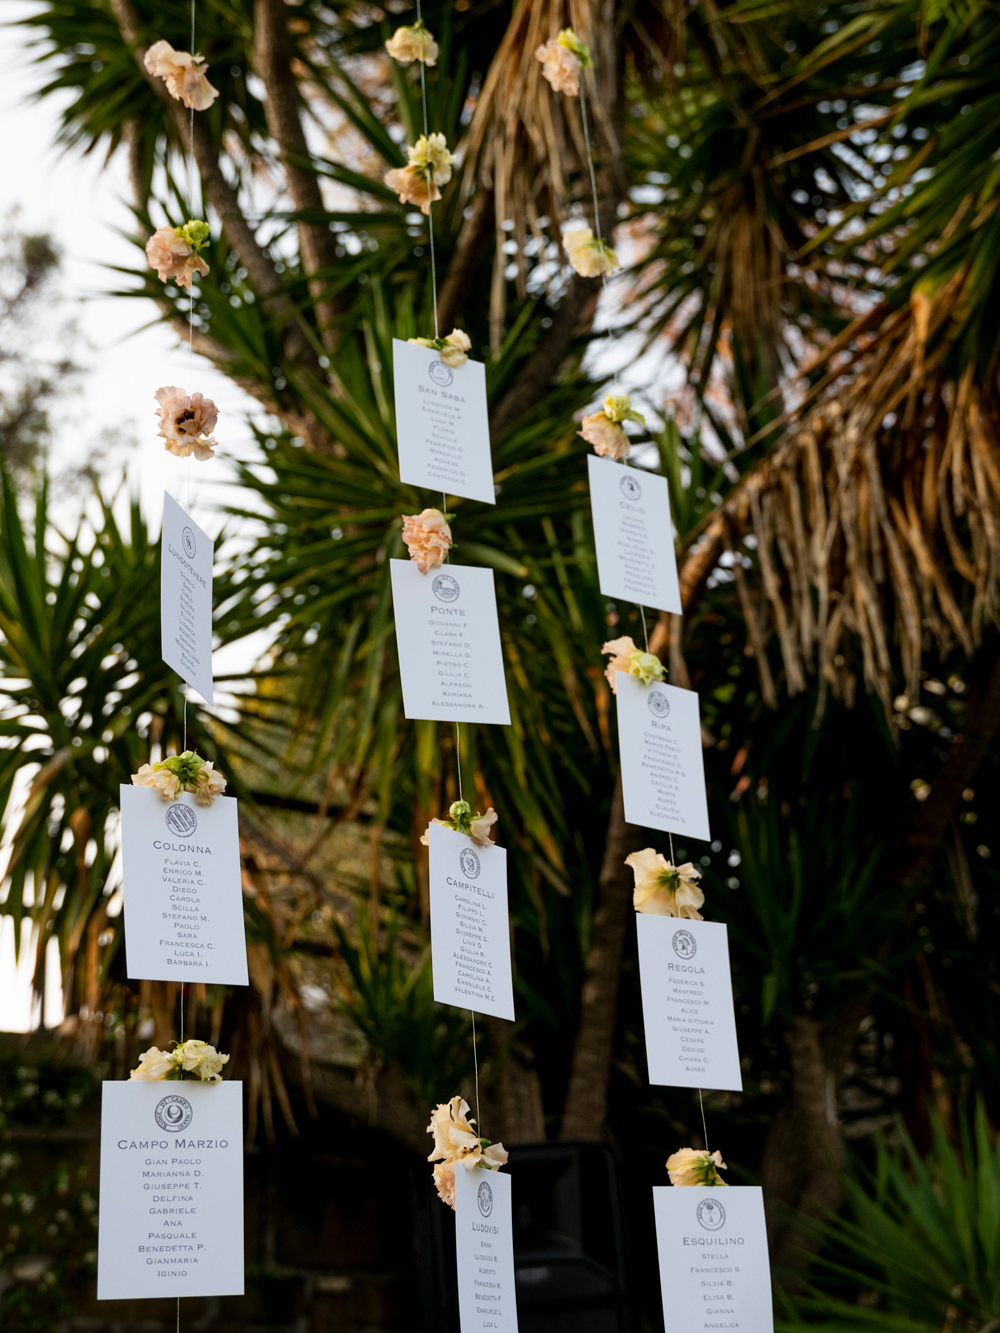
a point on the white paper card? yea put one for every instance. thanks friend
(183, 889)
(634, 534)
(470, 928)
(186, 560)
(448, 636)
(484, 1246)
(663, 769)
(171, 1207)
(714, 1269)
(687, 1003)
(442, 423)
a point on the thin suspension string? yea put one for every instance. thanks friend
(475, 1061)
(430, 205)
(458, 760)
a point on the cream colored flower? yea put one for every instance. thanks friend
(430, 165)
(425, 836)
(184, 75)
(456, 1143)
(166, 783)
(413, 43)
(663, 889)
(453, 350)
(481, 827)
(187, 422)
(173, 252)
(155, 1065)
(607, 437)
(589, 256)
(198, 1057)
(208, 784)
(696, 1166)
(625, 656)
(427, 537)
(562, 60)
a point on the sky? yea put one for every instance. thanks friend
(82, 203)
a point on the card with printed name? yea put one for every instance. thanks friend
(470, 929)
(714, 1268)
(634, 534)
(687, 1003)
(442, 423)
(448, 636)
(183, 889)
(171, 1205)
(484, 1247)
(186, 560)
(663, 769)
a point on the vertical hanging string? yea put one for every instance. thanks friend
(430, 205)
(458, 760)
(475, 1060)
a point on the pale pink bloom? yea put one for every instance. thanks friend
(427, 537)
(621, 651)
(663, 889)
(589, 256)
(184, 75)
(208, 785)
(430, 166)
(696, 1166)
(560, 66)
(456, 1143)
(425, 838)
(166, 783)
(174, 257)
(444, 1179)
(154, 1065)
(608, 437)
(413, 188)
(186, 422)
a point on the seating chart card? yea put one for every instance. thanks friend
(448, 636)
(442, 423)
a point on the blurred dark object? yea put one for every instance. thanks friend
(570, 1251)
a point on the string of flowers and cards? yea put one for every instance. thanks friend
(692, 1000)
(178, 1230)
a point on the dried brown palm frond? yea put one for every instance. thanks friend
(525, 144)
(877, 517)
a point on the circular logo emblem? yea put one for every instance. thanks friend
(658, 703)
(173, 1113)
(181, 819)
(630, 488)
(445, 588)
(710, 1214)
(484, 1197)
(685, 944)
(440, 374)
(189, 543)
(470, 863)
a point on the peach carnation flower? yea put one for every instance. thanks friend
(605, 429)
(456, 1143)
(183, 73)
(696, 1166)
(429, 167)
(663, 889)
(173, 252)
(186, 422)
(625, 656)
(589, 256)
(427, 537)
(413, 43)
(562, 60)
(154, 1065)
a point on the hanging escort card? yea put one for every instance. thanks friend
(634, 535)
(484, 1246)
(186, 560)
(663, 769)
(442, 423)
(714, 1269)
(171, 1206)
(183, 891)
(687, 1003)
(470, 928)
(448, 636)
